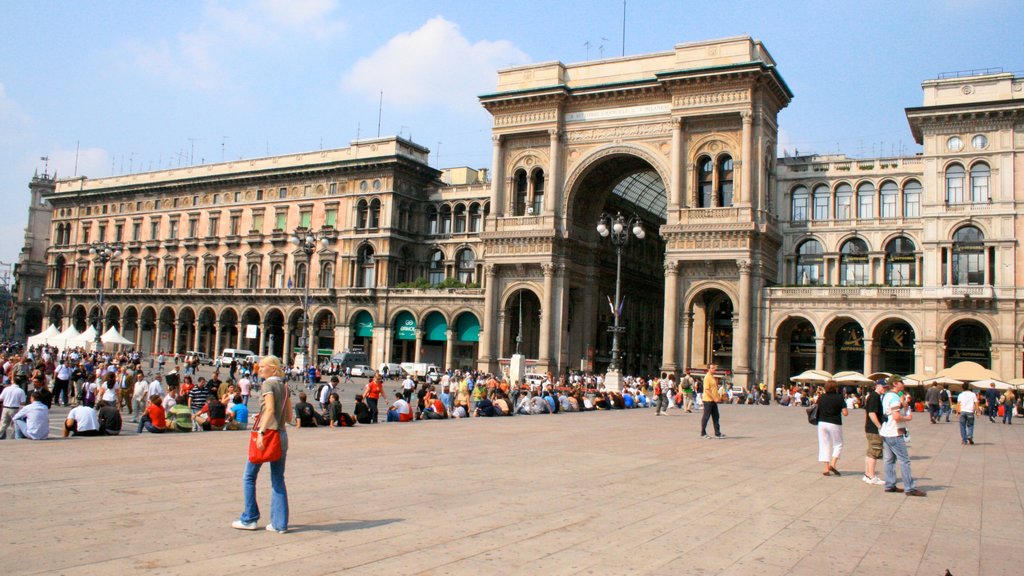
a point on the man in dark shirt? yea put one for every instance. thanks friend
(109, 417)
(991, 401)
(932, 398)
(872, 420)
(362, 411)
(217, 414)
(305, 415)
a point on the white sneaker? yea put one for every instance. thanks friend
(239, 525)
(878, 481)
(270, 528)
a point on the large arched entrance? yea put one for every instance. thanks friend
(56, 316)
(795, 349)
(274, 343)
(968, 340)
(893, 349)
(403, 348)
(522, 324)
(844, 345)
(710, 316)
(323, 335)
(251, 328)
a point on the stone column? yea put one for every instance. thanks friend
(216, 339)
(675, 196)
(488, 328)
(174, 338)
(671, 316)
(500, 335)
(548, 316)
(449, 348)
(747, 152)
(819, 353)
(419, 345)
(286, 344)
(138, 334)
(263, 338)
(156, 337)
(869, 349)
(684, 342)
(553, 199)
(498, 177)
(195, 336)
(238, 331)
(741, 340)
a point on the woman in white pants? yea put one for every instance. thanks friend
(831, 409)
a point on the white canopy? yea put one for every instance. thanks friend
(812, 377)
(851, 377)
(62, 340)
(112, 336)
(988, 382)
(86, 338)
(44, 336)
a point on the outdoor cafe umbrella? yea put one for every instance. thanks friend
(915, 379)
(969, 372)
(1017, 382)
(812, 377)
(851, 377)
(876, 376)
(988, 382)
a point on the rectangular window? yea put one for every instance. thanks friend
(195, 200)
(172, 232)
(800, 208)
(214, 227)
(257, 222)
(234, 225)
(865, 207)
(306, 190)
(282, 192)
(911, 204)
(259, 194)
(305, 218)
(101, 233)
(154, 229)
(281, 220)
(330, 217)
(334, 188)
(175, 203)
(118, 233)
(820, 206)
(85, 234)
(238, 196)
(844, 209)
(193, 227)
(888, 206)
(104, 208)
(136, 231)
(156, 205)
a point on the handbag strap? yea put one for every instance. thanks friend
(284, 400)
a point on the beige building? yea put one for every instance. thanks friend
(761, 264)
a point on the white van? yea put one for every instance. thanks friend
(237, 354)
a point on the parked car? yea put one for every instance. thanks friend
(363, 371)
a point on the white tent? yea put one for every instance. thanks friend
(44, 336)
(85, 339)
(112, 336)
(62, 340)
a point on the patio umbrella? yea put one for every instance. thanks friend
(1018, 382)
(988, 382)
(915, 379)
(954, 384)
(969, 372)
(876, 376)
(812, 377)
(851, 377)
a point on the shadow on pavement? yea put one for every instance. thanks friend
(344, 525)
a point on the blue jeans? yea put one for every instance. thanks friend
(20, 429)
(893, 449)
(1008, 414)
(946, 410)
(966, 426)
(278, 494)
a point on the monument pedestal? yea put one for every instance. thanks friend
(613, 381)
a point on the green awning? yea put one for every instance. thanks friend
(405, 327)
(363, 325)
(467, 328)
(436, 328)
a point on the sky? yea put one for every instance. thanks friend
(119, 86)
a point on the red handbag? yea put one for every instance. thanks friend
(271, 451)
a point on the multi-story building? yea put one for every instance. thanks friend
(761, 264)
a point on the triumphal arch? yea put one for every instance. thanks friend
(686, 141)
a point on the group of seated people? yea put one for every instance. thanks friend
(166, 415)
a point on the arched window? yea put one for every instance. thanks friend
(889, 194)
(968, 257)
(912, 199)
(190, 277)
(374, 213)
(538, 191)
(300, 275)
(866, 201)
(253, 277)
(277, 276)
(853, 263)
(474, 218)
(211, 277)
(725, 177)
(844, 202)
(705, 183)
(169, 276)
(436, 272)
(115, 277)
(83, 277)
(151, 277)
(404, 266)
(822, 202)
(809, 263)
(800, 198)
(979, 182)
(97, 278)
(362, 213)
(327, 275)
(133, 277)
(466, 263)
(460, 218)
(231, 277)
(446, 219)
(432, 220)
(900, 262)
(366, 276)
(521, 188)
(955, 184)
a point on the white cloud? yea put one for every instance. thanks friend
(198, 58)
(434, 65)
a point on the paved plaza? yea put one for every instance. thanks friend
(617, 492)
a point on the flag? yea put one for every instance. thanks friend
(610, 305)
(621, 304)
(289, 282)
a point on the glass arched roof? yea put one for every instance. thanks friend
(646, 191)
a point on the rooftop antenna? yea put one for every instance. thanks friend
(223, 146)
(76, 157)
(192, 152)
(623, 27)
(600, 48)
(380, 110)
(587, 44)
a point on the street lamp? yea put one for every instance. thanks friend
(617, 228)
(103, 252)
(306, 240)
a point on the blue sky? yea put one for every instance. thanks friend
(148, 85)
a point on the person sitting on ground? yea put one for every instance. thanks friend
(627, 399)
(461, 410)
(335, 416)
(601, 401)
(305, 415)
(212, 416)
(229, 396)
(154, 420)
(524, 405)
(109, 417)
(484, 408)
(502, 405)
(238, 414)
(33, 420)
(82, 420)
(400, 411)
(179, 418)
(538, 405)
(435, 410)
(362, 411)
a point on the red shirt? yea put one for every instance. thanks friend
(374, 389)
(157, 415)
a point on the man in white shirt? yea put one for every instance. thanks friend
(33, 421)
(894, 447)
(12, 398)
(155, 387)
(400, 411)
(967, 407)
(324, 398)
(140, 397)
(82, 421)
(408, 385)
(62, 381)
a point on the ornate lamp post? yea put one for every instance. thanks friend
(306, 240)
(617, 228)
(103, 252)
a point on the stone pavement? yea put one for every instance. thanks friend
(597, 493)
